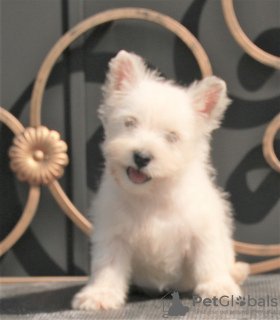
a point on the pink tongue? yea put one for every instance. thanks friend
(136, 176)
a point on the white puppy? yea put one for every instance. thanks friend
(160, 221)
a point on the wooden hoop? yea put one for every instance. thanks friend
(272, 61)
(68, 207)
(34, 192)
(265, 266)
(245, 43)
(110, 15)
(268, 150)
(257, 249)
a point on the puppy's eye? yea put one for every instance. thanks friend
(172, 137)
(130, 123)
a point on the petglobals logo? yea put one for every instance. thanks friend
(228, 305)
(226, 301)
(175, 308)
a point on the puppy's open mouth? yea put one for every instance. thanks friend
(137, 176)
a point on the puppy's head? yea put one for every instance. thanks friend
(153, 127)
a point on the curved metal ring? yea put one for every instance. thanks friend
(34, 192)
(100, 18)
(268, 150)
(245, 43)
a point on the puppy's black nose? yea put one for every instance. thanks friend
(141, 159)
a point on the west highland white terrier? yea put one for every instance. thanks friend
(160, 221)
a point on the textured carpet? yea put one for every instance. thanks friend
(52, 301)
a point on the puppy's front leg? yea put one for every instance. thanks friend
(211, 268)
(108, 285)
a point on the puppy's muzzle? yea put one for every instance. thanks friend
(141, 159)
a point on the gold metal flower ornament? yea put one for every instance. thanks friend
(38, 155)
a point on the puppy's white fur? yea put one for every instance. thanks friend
(173, 231)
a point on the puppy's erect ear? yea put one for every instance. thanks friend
(125, 70)
(210, 101)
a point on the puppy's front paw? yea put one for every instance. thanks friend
(95, 298)
(224, 286)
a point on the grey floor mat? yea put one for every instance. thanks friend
(52, 301)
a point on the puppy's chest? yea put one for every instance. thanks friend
(159, 239)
